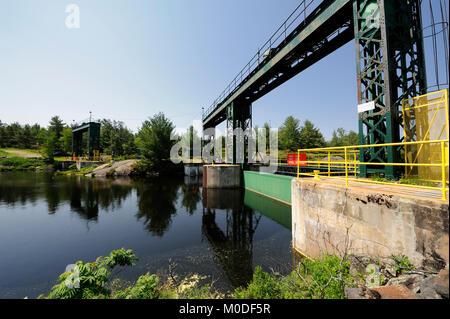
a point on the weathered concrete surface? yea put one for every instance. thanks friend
(223, 176)
(378, 223)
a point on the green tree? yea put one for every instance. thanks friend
(66, 140)
(116, 139)
(266, 127)
(2, 134)
(310, 136)
(51, 146)
(154, 138)
(289, 135)
(342, 138)
(41, 136)
(56, 126)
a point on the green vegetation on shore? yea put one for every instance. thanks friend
(324, 278)
(20, 164)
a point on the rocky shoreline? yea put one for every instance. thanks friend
(384, 280)
(121, 168)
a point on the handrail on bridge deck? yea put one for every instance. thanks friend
(349, 166)
(264, 52)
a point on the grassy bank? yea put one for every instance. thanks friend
(72, 170)
(20, 164)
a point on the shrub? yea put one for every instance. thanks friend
(88, 280)
(263, 286)
(324, 278)
(146, 287)
(402, 263)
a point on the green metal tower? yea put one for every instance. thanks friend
(239, 115)
(93, 138)
(390, 67)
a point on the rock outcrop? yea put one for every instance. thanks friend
(121, 168)
(392, 283)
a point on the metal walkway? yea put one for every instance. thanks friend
(316, 28)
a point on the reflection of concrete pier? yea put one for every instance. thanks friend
(233, 247)
(214, 198)
(232, 243)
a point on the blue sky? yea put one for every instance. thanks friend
(132, 59)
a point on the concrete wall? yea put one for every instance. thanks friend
(274, 186)
(378, 223)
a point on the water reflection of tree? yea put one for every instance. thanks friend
(87, 196)
(18, 188)
(191, 197)
(156, 203)
(84, 196)
(233, 246)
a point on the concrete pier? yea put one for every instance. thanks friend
(379, 220)
(222, 176)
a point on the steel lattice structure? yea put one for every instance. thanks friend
(389, 58)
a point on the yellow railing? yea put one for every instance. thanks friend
(350, 163)
(331, 154)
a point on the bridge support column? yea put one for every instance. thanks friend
(239, 119)
(390, 68)
(209, 138)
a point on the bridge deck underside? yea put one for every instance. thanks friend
(327, 28)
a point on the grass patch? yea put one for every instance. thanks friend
(20, 163)
(74, 171)
(323, 278)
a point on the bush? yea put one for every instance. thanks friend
(164, 167)
(146, 287)
(88, 280)
(263, 286)
(324, 278)
(402, 263)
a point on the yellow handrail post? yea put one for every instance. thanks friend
(298, 164)
(346, 168)
(316, 175)
(329, 159)
(444, 194)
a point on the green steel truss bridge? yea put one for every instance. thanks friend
(389, 61)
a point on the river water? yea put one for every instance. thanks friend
(48, 222)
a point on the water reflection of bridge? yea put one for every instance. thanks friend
(239, 213)
(232, 246)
